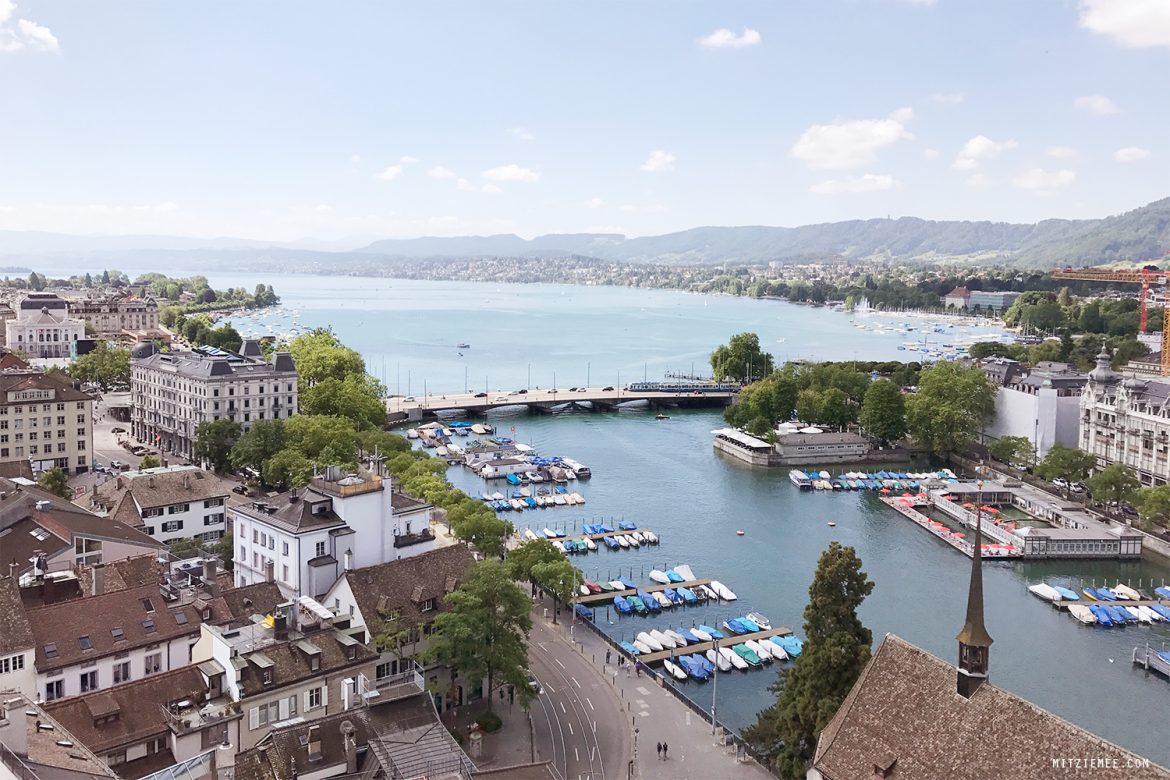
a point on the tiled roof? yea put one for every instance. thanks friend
(62, 384)
(905, 709)
(295, 511)
(137, 706)
(15, 632)
(400, 502)
(21, 540)
(63, 625)
(291, 664)
(127, 573)
(259, 598)
(164, 487)
(53, 748)
(403, 585)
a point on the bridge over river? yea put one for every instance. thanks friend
(549, 401)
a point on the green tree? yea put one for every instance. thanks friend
(808, 406)
(319, 355)
(55, 481)
(1114, 483)
(982, 350)
(484, 632)
(532, 553)
(224, 550)
(286, 469)
(1011, 449)
(951, 406)
(741, 359)
(105, 366)
(484, 531)
(560, 579)
(836, 408)
(187, 547)
(357, 397)
(883, 412)
(150, 462)
(1067, 463)
(320, 437)
(264, 440)
(214, 441)
(1154, 507)
(1090, 319)
(837, 649)
(36, 282)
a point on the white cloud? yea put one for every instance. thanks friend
(24, 34)
(868, 182)
(1131, 154)
(441, 172)
(355, 158)
(491, 189)
(1061, 152)
(1044, 182)
(391, 173)
(979, 149)
(658, 162)
(850, 143)
(1133, 23)
(463, 185)
(726, 39)
(1095, 104)
(947, 98)
(595, 203)
(521, 134)
(511, 172)
(920, 2)
(930, 154)
(406, 159)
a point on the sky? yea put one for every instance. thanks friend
(282, 120)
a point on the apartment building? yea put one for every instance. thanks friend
(172, 392)
(17, 643)
(45, 422)
(34, 746)
(173, 502)
(43, 327)
(1041, 404)
(115, 315)
(1127, 421)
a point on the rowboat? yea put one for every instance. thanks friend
(592, 545)
(625, 543)
(629, 648)
(1151, 614)
(1137, 613)
(622, 605)
(1102, 614)
(642, 647)
(687, 594)
(638, 605)
(650, 602)
(612, 543)
(633, 542)
(529, 535)
(689, 635)
(637, 537)
(618, 585)
(693, 668)
(1067, 594)
(714, 633)
(627, 582)
(650, 537)
(672, 594)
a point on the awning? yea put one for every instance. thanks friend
(261, 660)
(211, 668)
(314, 606)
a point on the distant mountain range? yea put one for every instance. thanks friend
(1140, 235)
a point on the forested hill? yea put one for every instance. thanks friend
(1139, 235)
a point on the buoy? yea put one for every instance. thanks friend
(832, 524)
(739, 533)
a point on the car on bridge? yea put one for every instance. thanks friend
(481, 395)
(607, 389)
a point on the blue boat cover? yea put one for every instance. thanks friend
(1163, 591)
(629, 648)
(627, 582)
(714, 632)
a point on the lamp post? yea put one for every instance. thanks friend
(715, 682)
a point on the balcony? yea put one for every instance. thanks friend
(400, 686)
(409, 540)
(186, 716)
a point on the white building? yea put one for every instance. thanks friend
(304, 539)
(1041, 404)
(173, 502)
(172, 392)
(17, 657)
(1127, 421)
(45, 422)
(43, 328)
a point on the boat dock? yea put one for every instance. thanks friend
(594, 598)
(702, 647)
(906, 507)
(1084, 602)
(1150, 659)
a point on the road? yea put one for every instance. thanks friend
(579, 722)
(497, 398)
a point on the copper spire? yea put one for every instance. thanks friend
(974, 641)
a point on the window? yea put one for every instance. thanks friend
(173, 525)
(114, 759)
(51, 650)
(272, 543)
(255, 535)
(320, 549)
(314, 698)
(122, 672)
(13, 664)
(148, 605)
(54, 689)
(180, 617)
(118, 634)
(148, 625)
(284, 572)
(156, 512)
(209, 503)
(85, 643)
(427, 606)
(89, 681)
(284, 545)
(178, 509)
(268, 677)
(153, 663)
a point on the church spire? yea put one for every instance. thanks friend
(974, 641)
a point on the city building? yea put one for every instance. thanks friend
(45, 421)
(42, 534)
(405, 596)
(173, 502)
(305, 538)
(956, 298)
(979, 300)
(1041, 404)
(43, 328)
(172, 392)
(794, 449)
(912, 716)
(17, 643)
(115, 315)
(6, 314)
(1127, 421)
(34, 746)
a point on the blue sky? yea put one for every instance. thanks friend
(282, 120)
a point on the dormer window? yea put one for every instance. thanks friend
(267, 677)
(315, 663)
(85, 642)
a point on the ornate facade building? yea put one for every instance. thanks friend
(1127, 420)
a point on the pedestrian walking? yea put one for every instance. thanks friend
(607, 657)
(659, 751)
(665, 747)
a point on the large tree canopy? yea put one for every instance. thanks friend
(951, 406)
(741, 359)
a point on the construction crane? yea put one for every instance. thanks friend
(1145, 277)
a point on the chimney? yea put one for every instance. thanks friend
(210, 568)
(187, 481)
(349, 742)
(315, 743)
(280, 622)
(269, 566)
(99, 578)
(348, 560)
(292, 496)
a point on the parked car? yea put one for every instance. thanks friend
(572, 389)
(117, 430)
(408, 398)
(241, 489)
(1060, 483)
(534, 684)
(1077, 487)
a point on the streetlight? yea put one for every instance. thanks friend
(715, 682)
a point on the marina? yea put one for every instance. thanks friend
(1152, 660)
(601, 598)
(703, 647)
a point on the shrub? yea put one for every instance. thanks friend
(489, 722)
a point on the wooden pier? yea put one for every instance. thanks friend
(703, 647)
(594, 598)
(907, 508)
(600, 537)
(1085, 601)
(1148, 657)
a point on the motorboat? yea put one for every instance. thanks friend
(722, 591)
(734, 626)
(559, 547)
(583, 612)
(1161, 610)
(659, 577)
(584, 590)
(591, 586)
(549, 533)
(412, 433)
(617, 585)
(688, 596)
(627, 582)
(1067, 594)
(664, 639)
(694, 669)
(650, 537)
(778, 651)
(684, 571)
(1118, 614)
(623, 541)
(637, 537)
(672, 594)
(1090, 593)
(612, 543)
(1126, 592)
(702, 635)
(642, 647)
(638, 605)
(679, 639)
(626, 525)
(675, 672)
(662, 600)
(1162, 591)
(825, 476)
(735, 658)
(747, 654)
(529, 535)
(1137, 613)
(590, 544)
(650, 602)
(629, 648)
(1151, 614)
(1102, 614)
(717, 659)
(748, 624)
(800, 479)
(706, 592)
(714, 633)
(759, 620)
(791, 644)
(1106, 594)
(688, 635)
(633, 542)
(649, 641)
(759, 648)
(622, 605)
(1045, 592)
(701, 660)
(1081, 613)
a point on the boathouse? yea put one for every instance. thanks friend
(793, 449)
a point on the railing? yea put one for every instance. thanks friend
(15, 765)
(192, 719)
(370, 485)
(401, 685)
(406, 540)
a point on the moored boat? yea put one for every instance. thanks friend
(759, 648)
(718, 660)
(800, 479)
(649, 641)
(735, 658)
(759, 620)
(688, 596)
(1081, 613)
(747, 654)
(674, 670)
(659, 577)
(1067, 594)
(1043, 591)
(1126, 592)
(630, 648)
(663, 639)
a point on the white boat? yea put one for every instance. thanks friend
(706, 591)
(1126, 592)
(826, 476)
(638, 537)
(412, 433)
(662, 639)
(441, 452)
(549, 533)
(684, 571)
(778, 652)
(526, 492)
(666, 603)
(497, 496)
(759, 620)
(800, 479)
(559, 547)
(649, 641)
(592, 545)
(659, 577)
(701, 634)
(559, 500)
(643, 648)
(722, 591)
(621, 540)
(633, 542)
(529, 535)
(733, 657)
(617, 584)
(578, 498)
(761, 649)
(650, 537)
(675, 671)
(679, 640)
(1151, 614)
(1137, 614)
(1044, 591)
(718, 659)
(584, 591)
